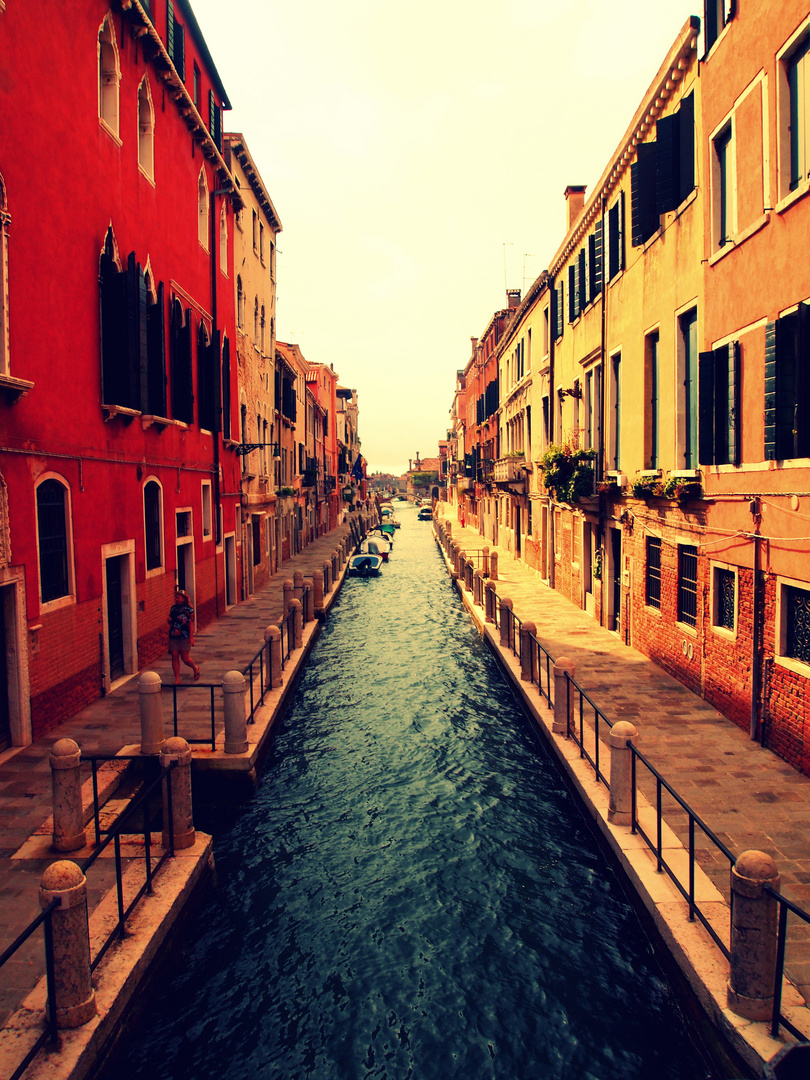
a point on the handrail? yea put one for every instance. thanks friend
(50, 1032)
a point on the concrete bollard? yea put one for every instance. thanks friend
(73, 989)
(563, 700)
(490, 600)
(505, 619)
(233, 692)
(177, 750)
(485, 563)
(317, 589)
(298, 622)
(298, 584)
(752, 966)
(272, 636)
(527, 629)
(289, 593)
(620, 807)
(327, 576)
(66, 785)
(153, 732)
(493, 566)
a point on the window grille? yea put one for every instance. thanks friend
(687, 585)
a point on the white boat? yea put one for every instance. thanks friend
(375, 545)
(365, 565)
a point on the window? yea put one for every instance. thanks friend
(215, 120)
(146, 130)
(207, 516)
(153, 524)
(593, 397)
(255, 320)
(718, 13)
(718, 402)
(573, 292)
(653, 581)
(644, 193)
(616, 237)
(202, 209)
(207, 378)
(795, 619)
(595, 259)
(223, 240)
(798, 80)
(558, 310)
(5, 224)
(262, 330)
(196, 87)
(226, 389)
(109, 76)
(724, 598)
(255, 232)
(240, 303)
(787, 389)
(180, 345)
(615, 413)
(261, 242)
(663, 174)
(687, 584)
(52, 535)
(723, 186)
(175, 41)
(688, 359)
(257, 539)
(652, 389)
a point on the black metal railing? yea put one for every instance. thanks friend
(49, 1034)
(210, 721)
(581, 706)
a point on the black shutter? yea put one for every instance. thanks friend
(636, 237)
(156, 347)
(620, 230)
(113, 328)
(583, 279)
(643, 193)
(560, 309)
(734, 400)
(706, 409)
(205, 380)
(770, 392)
(224, 406)
(170, 28)
(553, 313)
(786, 386)
(802, 415)
(133, 383)
(709, 24)
(686, 147)
(179, 56)
(572, 293)
(667, 163)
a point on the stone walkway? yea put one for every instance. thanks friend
(747, 796)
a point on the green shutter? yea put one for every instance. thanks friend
(771, 382)
(667, 163)
(686, 147)
(597, 262)
(170, 29)
(734, 403)
(706, 409)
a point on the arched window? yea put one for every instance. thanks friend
(223, 241)
(52, 534)
(240, 303)
(153, 524)
(146, 130)
(202, 209)
(109, 76)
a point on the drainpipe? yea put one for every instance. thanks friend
(552, 409)
(218, 389)
(602, 514)
(756, 607)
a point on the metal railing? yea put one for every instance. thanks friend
(112, 835)
(583, 704)
(260, 660)
(191, 688)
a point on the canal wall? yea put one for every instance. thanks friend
(697, 957)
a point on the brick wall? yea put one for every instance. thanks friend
(65, 669)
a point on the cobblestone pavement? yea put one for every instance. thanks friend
(103, 728)
(747, 796)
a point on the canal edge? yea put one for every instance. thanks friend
(698, 959)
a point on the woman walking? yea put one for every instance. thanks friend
(181, 634)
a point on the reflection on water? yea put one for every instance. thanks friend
(412, 891)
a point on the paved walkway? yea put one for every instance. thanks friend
(104, 727)
(747, 796)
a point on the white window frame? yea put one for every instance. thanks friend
(203, 202)
(155, 571)
(108, 67)
(70, 596)
(146, 131)
(726, 128)
(207, 510)
(780, 643)
(714, 599)
(783, 58)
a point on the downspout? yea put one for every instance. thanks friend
(218, 538)
(756, 605)
(602, 514)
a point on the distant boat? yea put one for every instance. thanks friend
(425, 514)
(365, 565)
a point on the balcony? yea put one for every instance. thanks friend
(509, 470)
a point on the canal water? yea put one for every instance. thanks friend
(412, 891)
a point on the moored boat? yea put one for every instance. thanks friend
(365, 565)
(375, 545)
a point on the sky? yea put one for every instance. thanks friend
(417, 155)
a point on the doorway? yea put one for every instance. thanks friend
(518, 525)
(115, 616)
(120, 650)
(230, 570)
(614, 621)
(5, 706)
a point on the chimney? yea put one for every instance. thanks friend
(575, 197)
(513, 298)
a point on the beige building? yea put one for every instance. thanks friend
(256, 228)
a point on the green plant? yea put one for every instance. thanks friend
(597, 564)
(424, 479)
(680, 487)
(567, 472)
(646, 487)
(282, 491)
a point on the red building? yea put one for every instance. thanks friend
(118, 478)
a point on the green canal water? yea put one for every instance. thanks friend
(412, 891)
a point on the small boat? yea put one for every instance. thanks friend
(388, 530)
(365, 565)
(425, 514)
(385, 534)
(375, 545)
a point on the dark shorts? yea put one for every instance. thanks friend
(179, 644)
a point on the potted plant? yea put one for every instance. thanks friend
(567, 472)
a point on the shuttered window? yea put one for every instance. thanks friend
(616, 237)
(180, 331)
(153, 525)
(787, 386)
(215, 123)
(717, 14)
(175, 41)
(643, 194)
(595, 261)
(719, 406)
(798, 78)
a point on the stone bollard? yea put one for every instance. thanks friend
(317, 589)
(620, 807)
(752, 966)
(527, 629)
(298, 584)
(289, 593)
(490, 600)
(563, 700)
(233, 691)
(309, 600)
(327, 576)
(485, 563)
(177, 750)
(73, 989)
(493, 566)
(298, 622)
(505, 619)
(449, 527)
(478, 588)
(458, 555)
(335, 566)
(272, 636)
(66, 785)
(153, 732)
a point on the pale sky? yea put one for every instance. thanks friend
(417, 155)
